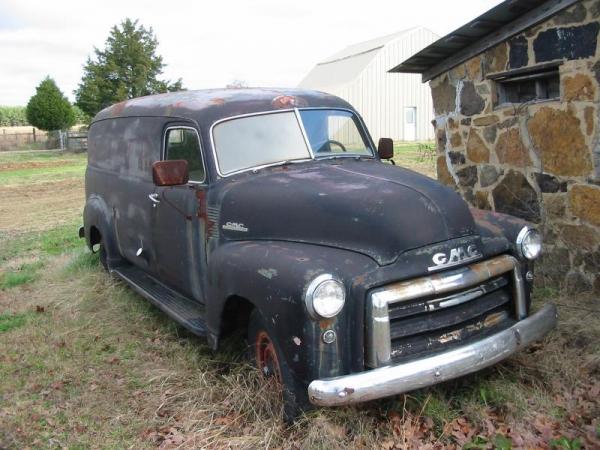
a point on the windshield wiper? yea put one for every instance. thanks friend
(280, 163)
(344, 156)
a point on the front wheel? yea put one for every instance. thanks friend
(268, 358)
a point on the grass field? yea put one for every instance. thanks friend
(86, 363)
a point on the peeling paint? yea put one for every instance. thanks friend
(268, 273)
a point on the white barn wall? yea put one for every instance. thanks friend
(380, 97)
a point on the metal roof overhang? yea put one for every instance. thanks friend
(494, 26)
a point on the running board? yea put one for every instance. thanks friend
(186, 312)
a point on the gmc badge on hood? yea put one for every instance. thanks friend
(455, 257)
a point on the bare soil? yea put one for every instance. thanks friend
(40, 206)
(7, 166)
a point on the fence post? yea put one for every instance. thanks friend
(34, 140)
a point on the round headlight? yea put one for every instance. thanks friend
(325, 297)
(529, 243)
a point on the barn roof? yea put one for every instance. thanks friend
(345, 65)
(494, 26)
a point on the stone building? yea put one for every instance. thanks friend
(516, 97)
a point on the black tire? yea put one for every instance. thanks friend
(295, 397)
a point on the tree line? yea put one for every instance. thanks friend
(13, 116)
(126, 67)
(16, 116)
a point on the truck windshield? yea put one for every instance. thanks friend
(265, 139)
(334, 132)
(258, 140)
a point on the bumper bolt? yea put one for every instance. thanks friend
(529, 276)
(329, 337)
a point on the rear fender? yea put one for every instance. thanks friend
(96, 213)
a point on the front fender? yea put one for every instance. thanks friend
(499, 234)
(497, 229)
(273, 276)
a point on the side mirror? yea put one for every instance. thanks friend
(385, 148)
(170, 173)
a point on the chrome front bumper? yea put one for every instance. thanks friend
(396, 379)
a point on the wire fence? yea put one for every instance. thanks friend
(41, 140)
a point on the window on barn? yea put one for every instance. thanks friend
(531, 86)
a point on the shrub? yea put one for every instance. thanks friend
(49, 109)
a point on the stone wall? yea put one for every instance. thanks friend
(540, 160)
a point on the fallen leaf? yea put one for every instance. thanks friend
(388, 445)
(224, 420)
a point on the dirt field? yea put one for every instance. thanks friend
(40, 191)
(86, 363)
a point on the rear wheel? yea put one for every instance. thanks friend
(268, 358)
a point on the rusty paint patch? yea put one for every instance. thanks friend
(288, 101)
(118, 108)
(201, 197)
(217, 101)
(326, 324)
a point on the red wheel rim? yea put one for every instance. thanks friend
(266, 357)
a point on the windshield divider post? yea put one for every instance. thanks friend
(304, 135)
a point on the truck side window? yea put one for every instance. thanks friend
(183, 143)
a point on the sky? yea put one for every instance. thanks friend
(207, 44)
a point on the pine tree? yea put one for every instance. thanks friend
(128, 67)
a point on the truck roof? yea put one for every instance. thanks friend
(210, 105)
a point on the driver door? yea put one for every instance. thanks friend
(178, 234)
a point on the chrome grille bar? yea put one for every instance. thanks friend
(378, 321)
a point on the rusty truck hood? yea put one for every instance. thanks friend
(365, 206)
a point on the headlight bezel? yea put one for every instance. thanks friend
(520, 242)
(309, 297)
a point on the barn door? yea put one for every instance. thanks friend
(410, 123)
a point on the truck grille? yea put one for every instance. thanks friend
(425, 315)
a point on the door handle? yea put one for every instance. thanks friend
(154, 199)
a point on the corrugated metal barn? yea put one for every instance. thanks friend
(392, 105)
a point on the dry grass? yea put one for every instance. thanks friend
(408, 155)
(58, 202)
(21, 129)
(86, 363)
